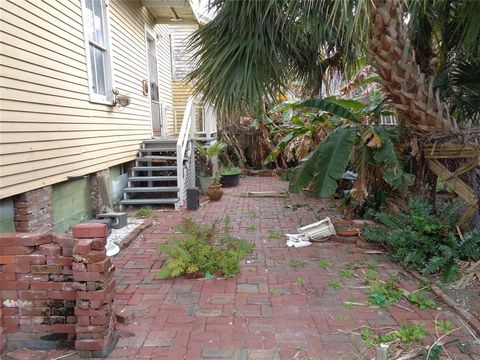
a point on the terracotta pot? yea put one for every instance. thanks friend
(217, 273)
(347, 232)
(196, 275)
(215, 192)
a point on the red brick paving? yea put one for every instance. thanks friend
(262, 313)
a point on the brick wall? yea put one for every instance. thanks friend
(57, 290)
(33, 210)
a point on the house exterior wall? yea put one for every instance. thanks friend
(49, 130)
(182, 65)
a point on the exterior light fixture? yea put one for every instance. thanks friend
(120, 100)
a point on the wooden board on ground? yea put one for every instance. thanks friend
(281, 194)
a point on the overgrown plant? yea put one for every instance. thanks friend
(424, 241)
(357, 140)
(203, 248)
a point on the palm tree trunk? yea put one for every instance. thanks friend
(405, 84)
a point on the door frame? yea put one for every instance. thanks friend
(149, 33)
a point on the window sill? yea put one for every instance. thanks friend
(101, 101)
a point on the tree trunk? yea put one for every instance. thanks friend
(405, 84)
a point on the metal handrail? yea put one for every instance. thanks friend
(182, 143)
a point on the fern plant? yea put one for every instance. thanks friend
(424, 241)
(203, 248)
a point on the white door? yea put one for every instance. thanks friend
(153, 87)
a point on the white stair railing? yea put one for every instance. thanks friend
(182, 143)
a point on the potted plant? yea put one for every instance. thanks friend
(208, 154)
(214, 190)
(230, 176)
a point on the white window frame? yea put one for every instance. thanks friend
(108, 98)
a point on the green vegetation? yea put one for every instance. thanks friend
(407, 334)
(274, 234)
(335, 284)
(203, 248)
(144, 212)
(231, 170)
(422, 300)
(443, 326)
(323, 264)
(371, 276)
(251, 227)
(298, 264)
(424, 241)
(300, 281)
(347, 273)
(384, 294)
(411, 333)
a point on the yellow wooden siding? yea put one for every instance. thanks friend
(48, 128)
(181, 92)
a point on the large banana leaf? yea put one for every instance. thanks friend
(332, 106)
(326, 163)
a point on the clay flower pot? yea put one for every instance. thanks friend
(347, 232)
(215, 192)
(196, 275)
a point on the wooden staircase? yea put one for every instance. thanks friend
(153, 179)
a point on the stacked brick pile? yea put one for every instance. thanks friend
(56, 289)
(93, 273)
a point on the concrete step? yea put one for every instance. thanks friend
(153, 168)
(158, 149)
(171, 201)
(151, 189)
(152, 178)
(160, 141)
(154, 158)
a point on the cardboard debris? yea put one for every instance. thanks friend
(297, 240)
(320, 229)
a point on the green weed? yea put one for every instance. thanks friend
(335, 284)
(384, 294)
(323, 264)
(443, 326)
(297, 264)
(300, 281)
(274, 234)
(422, 300)
(144, 212)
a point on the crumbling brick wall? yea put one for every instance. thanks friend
(58, 290)
(33, 210)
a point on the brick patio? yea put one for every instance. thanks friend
(265, 312)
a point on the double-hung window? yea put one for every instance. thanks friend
(97, 50)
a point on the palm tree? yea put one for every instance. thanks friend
(252, 50)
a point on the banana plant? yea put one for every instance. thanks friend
(305, 123)
(357, 140)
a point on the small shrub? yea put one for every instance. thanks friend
(203, 248)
